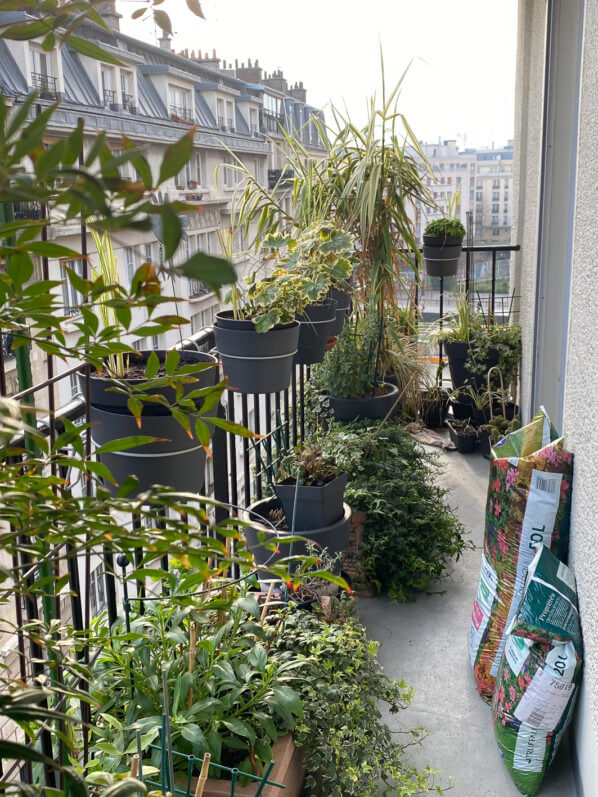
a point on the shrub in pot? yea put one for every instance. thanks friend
(463, 435)
(347, 378)
(315, 500)
(443, 239)
(434, 407)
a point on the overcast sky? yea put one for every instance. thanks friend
(460, 83)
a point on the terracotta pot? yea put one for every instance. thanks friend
(352, 557)
(288, 769)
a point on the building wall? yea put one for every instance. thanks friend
(579, 367)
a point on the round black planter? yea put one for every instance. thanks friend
(316, 324)
(374, 407)
(462, 410)
(441, 255)
(317, 507)
(343, 309)
(255, 362)
(175, 459)
(457, 353)
(434, 411)
(333, 537)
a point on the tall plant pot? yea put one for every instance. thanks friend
(175, 459)
(434, 410)
(255, 362)
(374, 407)
(441, 254)
(315, 325)
(317, 507)
(343, 309)
(333, 537)
(457, 353)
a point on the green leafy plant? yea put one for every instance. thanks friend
(495, 340)
(348, 748)
(411, 533)
(227, 696)
(314, 463)
(349, 368)
(444, 228)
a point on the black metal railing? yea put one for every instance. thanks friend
(128, 101)
(109, 97)
(197, 288)
(7, 351)
(27, 211)
(47, 85)
(181, 112)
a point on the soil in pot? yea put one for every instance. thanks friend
(317, 322)
(255, 362)
(175, 459)
(374, 407)
(316, 506)
(463, 435)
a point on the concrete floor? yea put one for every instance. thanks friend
(425, 643)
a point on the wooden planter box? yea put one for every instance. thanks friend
(288, 769)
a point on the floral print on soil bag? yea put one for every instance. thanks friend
(529, 496)
(539, 673)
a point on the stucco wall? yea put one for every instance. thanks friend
(581, 391)
(529, 93)
(581, 364)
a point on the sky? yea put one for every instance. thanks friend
(460, 54)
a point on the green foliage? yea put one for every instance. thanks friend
(411, 533)
(348, 748)
(494, 339)
(349, 368)
(445, 227)
(232, 700)
(307, 266)
(314, 463)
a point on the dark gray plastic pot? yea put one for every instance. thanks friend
(176, 460)
(334, 537)
(315, 325)
(441, 254)
(255, 362)
(374, 407)
(316, 506)
(457, 353)
(343, 309)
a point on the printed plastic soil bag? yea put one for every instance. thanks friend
(529, 496)
(539, 673)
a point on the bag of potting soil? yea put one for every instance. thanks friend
(528, 504)
(539, 673)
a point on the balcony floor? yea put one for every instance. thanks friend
(425, 643)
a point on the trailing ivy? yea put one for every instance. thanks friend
(411, 532)
(349, 750)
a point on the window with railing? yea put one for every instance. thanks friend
(47, 85)
(197, 288)
(109, 97)
(179, 103)
(128, 101)
(71, 297)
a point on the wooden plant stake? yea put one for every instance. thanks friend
(267, 603)
(203, 776)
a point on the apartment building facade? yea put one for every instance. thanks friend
(239, 112)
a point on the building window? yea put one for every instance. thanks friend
(108, 92)
(123, 168)
(130, 262)
(495, 196)
(126, 90)
(478, 196)
(148, 250)
(96, 591)
(179, 102)
(71, 297)
(220, 113)
(505, 221)
(230, 121)
(495, 208)
(495, 231)
(207, 317)
(258, 167)
(253, 121)
(495, 183)
(74, 385)
(42, 79)
(196, 323)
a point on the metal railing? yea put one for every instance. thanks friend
(128, 101)
(45, 84)
(27, 211)
(109, 97)
(181, 112)
(197, 288)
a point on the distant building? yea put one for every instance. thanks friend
(154, 98)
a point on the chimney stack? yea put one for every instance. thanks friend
(164, 42)
(107, 10)
(299, 92)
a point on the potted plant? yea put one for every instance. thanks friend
(310, 487)
(323, 254)
(348, 378)
(435, 401)
(502, 421)
(443, 239)
(269, 538)
(463, 435)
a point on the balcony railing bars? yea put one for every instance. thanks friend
(128, 101)
(181, 111)
(236, 473)
(109, 97)
(27, 211)
(197, 288)
(45, 84)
